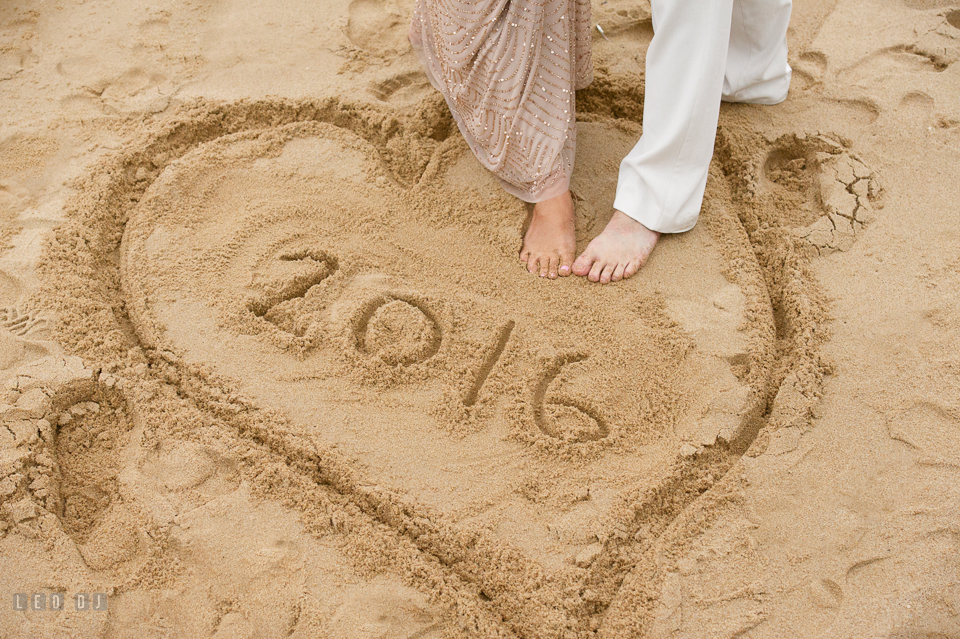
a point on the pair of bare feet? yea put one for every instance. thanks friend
(617, 253)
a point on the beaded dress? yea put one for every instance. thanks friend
(508, 70)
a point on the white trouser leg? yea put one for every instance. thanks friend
(757, 71)
(663, 178)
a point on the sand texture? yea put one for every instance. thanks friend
(271, 367)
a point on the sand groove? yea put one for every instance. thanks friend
(397, 328)
(489, 361)
(314, 267)
(554, 418)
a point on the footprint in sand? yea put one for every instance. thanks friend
(14, 61)
(918, 109)
(403, 88)
(154, 32)
(821, 189)
(103, 86)
(22, 323)
(396, 327)
(929, 429)
(378, 27)
(384, 609)
(88, 451)
(934, 50)
(17, 44)
(809, 69)
(64, 460)
(22, 333)
(182, 476)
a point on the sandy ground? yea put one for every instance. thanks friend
(271, 368)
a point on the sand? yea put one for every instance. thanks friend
(272, 368)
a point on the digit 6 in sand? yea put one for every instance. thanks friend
(564, 419)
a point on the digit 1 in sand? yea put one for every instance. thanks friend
(489, 361)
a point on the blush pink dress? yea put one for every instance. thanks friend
(508, 70)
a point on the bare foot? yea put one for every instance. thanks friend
(550, 243)
(618, 252)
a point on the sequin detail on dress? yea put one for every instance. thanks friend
(508, 70)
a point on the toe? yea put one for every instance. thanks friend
(544, 262)
(583, 264)
(618, 273)
(606, 273)
(595, 270)
(566, 260)
(524, 254)
(552, 269)
(532, 264)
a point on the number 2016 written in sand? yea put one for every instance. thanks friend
(407, 310)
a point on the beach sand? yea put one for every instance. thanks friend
(271, 366)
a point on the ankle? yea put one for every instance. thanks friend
(554, 208)
(622, 221)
